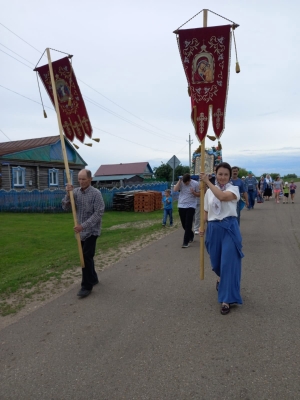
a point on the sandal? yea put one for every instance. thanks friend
(225, 309)
(217, 285)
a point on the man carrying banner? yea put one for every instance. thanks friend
(90, 208)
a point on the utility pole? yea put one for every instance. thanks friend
(190, 142)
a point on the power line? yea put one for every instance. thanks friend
(16, 59)
(127, 140)
(125, 109)
(19, 94)
(84, 84)
(20, 38)
(16, 53)
(123, 118)
(5, 134)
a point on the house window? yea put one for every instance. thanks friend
(18, 177)
(71, 177)
(53, 177)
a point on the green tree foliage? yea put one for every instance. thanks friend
(165, 173)
(274, 175)
(242, 172)
(181, 170)
(289, 176)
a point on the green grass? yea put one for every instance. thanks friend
(37, 247)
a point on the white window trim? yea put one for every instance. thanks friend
(51, 172)
(18, 170)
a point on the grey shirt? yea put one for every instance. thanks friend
(186, 198)
(90, 208)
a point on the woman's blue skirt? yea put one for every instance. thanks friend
(224, 245)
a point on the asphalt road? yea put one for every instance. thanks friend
(152, 330)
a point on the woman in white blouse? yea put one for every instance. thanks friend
(223, 238)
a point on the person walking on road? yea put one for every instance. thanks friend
(286, 193)
(90, 208)
(251, 185)
(223, 238)
(236, 181)
(187, 203)
(293, 188)
(277, 188)
(268, 189)
(168, 207)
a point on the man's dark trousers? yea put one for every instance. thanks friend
(186, 218)
(89, 275)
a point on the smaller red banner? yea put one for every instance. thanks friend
(73, 114)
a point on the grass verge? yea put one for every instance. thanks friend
(38, 248)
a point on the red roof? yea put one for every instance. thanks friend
(21, 145)
(124, 169)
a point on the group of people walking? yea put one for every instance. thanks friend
(223, 201)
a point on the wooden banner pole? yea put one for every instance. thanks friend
(62, 139)
(202, 186)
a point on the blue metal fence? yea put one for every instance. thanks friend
(50, 200)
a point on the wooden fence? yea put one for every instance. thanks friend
(50, 200)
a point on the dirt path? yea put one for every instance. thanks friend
(30, 300)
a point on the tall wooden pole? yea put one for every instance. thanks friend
(202, 186)
(62, 139)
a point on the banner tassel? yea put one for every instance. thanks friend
(45, 114)
(75, 145)
(237, 65)
(88, 144)
(213, 138)
(96, 140)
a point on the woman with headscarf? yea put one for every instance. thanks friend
(223, 238)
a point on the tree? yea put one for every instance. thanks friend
(181, 170)
(163, 172)
(242, 172)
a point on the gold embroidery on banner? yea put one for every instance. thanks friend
(217, 115)
(204, 94)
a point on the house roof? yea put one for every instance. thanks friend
(112, 177)
(20, 145)
(46, 149)
(138, 168)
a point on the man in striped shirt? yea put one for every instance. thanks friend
(90, 208)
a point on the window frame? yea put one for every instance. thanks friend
(71, 176)
(53, 172)
(16, 172)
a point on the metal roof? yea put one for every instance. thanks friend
(112, 177)
(138, 168)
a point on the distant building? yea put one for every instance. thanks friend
(37, 164)
(122, 174)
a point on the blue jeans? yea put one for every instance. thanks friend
(168, 212)
(251, 198)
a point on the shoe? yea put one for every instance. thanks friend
(84, 292)
(171, 225)
(217, 285)
(196, 232)
(163, 224)
(225, 309)
(191, 241)
(277, 202)
(184, 246)
(96, 283)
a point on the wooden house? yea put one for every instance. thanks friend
(122, 174)
(37, 164)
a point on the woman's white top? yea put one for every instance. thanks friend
(228, 208)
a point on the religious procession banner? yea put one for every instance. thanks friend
(73, 113)
(205, 55)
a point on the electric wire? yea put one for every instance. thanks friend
(83, 83)
(5, 135)
(90, 100)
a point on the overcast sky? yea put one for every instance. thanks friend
(126, 51)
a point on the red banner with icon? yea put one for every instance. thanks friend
(73, 114)
(205, 55)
